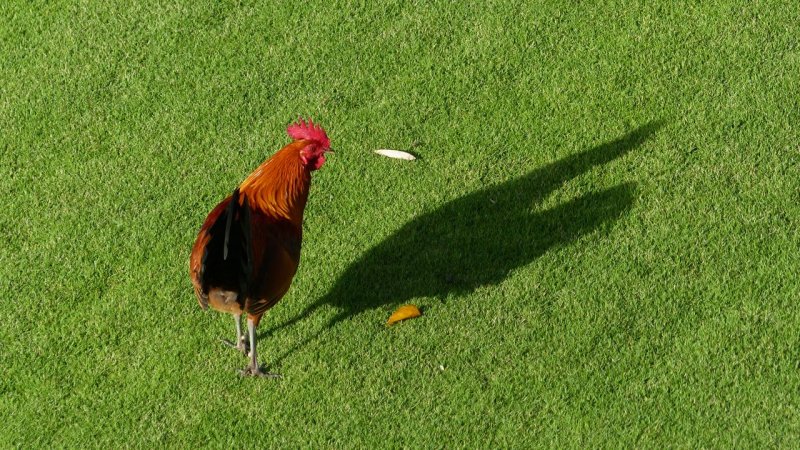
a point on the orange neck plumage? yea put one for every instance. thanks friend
(279, 186)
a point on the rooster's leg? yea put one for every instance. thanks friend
(240, 344)
(253, 368)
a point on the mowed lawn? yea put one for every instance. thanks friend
(602, 227)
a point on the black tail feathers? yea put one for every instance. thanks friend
(228, 257)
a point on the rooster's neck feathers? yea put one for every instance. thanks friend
(279, 186)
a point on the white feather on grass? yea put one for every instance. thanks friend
(397, 154)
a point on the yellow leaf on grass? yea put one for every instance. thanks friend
(402, 313)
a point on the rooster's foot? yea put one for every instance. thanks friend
(241, 346)
(257, 372)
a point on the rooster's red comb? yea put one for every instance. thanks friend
(308, 131)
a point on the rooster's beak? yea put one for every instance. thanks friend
(329, 150)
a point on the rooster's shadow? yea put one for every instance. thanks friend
(478, 239)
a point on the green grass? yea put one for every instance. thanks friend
(602, 230)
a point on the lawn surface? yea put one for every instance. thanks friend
(602, 228)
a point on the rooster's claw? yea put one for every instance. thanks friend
(242, 346)
(256, 372)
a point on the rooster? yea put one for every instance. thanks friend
(248, 249)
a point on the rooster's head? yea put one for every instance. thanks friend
(313, 154)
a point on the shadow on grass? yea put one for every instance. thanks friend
(476, 240)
